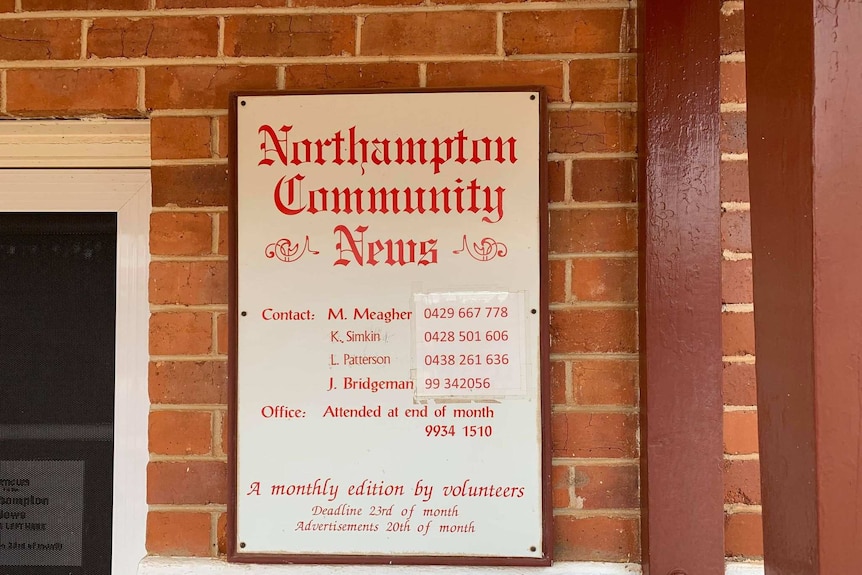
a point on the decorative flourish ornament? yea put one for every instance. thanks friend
(285, 250)
(484, 250)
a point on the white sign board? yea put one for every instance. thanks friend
(387, 312)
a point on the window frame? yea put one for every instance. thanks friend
(126, 192)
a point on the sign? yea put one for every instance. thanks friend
(387, 325)
(41, 512)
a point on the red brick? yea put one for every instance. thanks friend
(604, 180)
(69, 92)
(743, 535)
(605, 382)
(732, 133)
(576, 31)
(188, 382)
(427, 33)
(738, 383)
(186, 482)
(605, 279)
(607, 486)
(153, 37)
(732, 28)
(593, 230)
(736, 281)
(188, 283)
(603, 80)
(180, 432)
(742, 481)
(219, 3)
(177, 533)
(560, 483)
(40, 5)
(736, 231)
(223, 136)
(732, 82)
(180, 138)
(223, 332)
(180, 233)
(557, 281)
(190, 186)
(737, 333)
(40, 39)
(223, 233)
(576, 434)
(289, 36)
(593, 331)
(556, 181)
(733, 179)
(513, 73)
(605, 131)
(558, 382)
(596, 539)
(7, 5)
(199, 87)
(181, 333)
(352, 76)
(740, 432)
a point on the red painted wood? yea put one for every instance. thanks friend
(805, 136)
(680, 298)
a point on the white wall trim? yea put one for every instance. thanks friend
(184, 566)
(90, 143)
(128, 194)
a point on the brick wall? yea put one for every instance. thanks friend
(743, 526)
(175, 61)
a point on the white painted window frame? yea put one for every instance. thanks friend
(128, 194)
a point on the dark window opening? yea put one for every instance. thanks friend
(57, 339)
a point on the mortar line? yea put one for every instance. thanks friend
(589, 255)
(215, 61)
(357, 42)
(4, 87)
(499, 35)
(220, 41)
(85, 27)
(422, 72)
(191, 162)
(214, 219)
(567, 81)
(142, 93)
(568, 191)
(308, 10)
(186, 358)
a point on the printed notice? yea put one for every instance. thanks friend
(41, 512)
(389, 318)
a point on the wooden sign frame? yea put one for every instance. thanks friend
(501, 326)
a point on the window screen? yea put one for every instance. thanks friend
(57, 334)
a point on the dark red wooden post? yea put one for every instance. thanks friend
(680, 291)
(804, 77)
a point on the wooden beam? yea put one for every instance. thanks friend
(680, 289)
(805, 136)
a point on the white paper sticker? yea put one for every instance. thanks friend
(469, 344)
